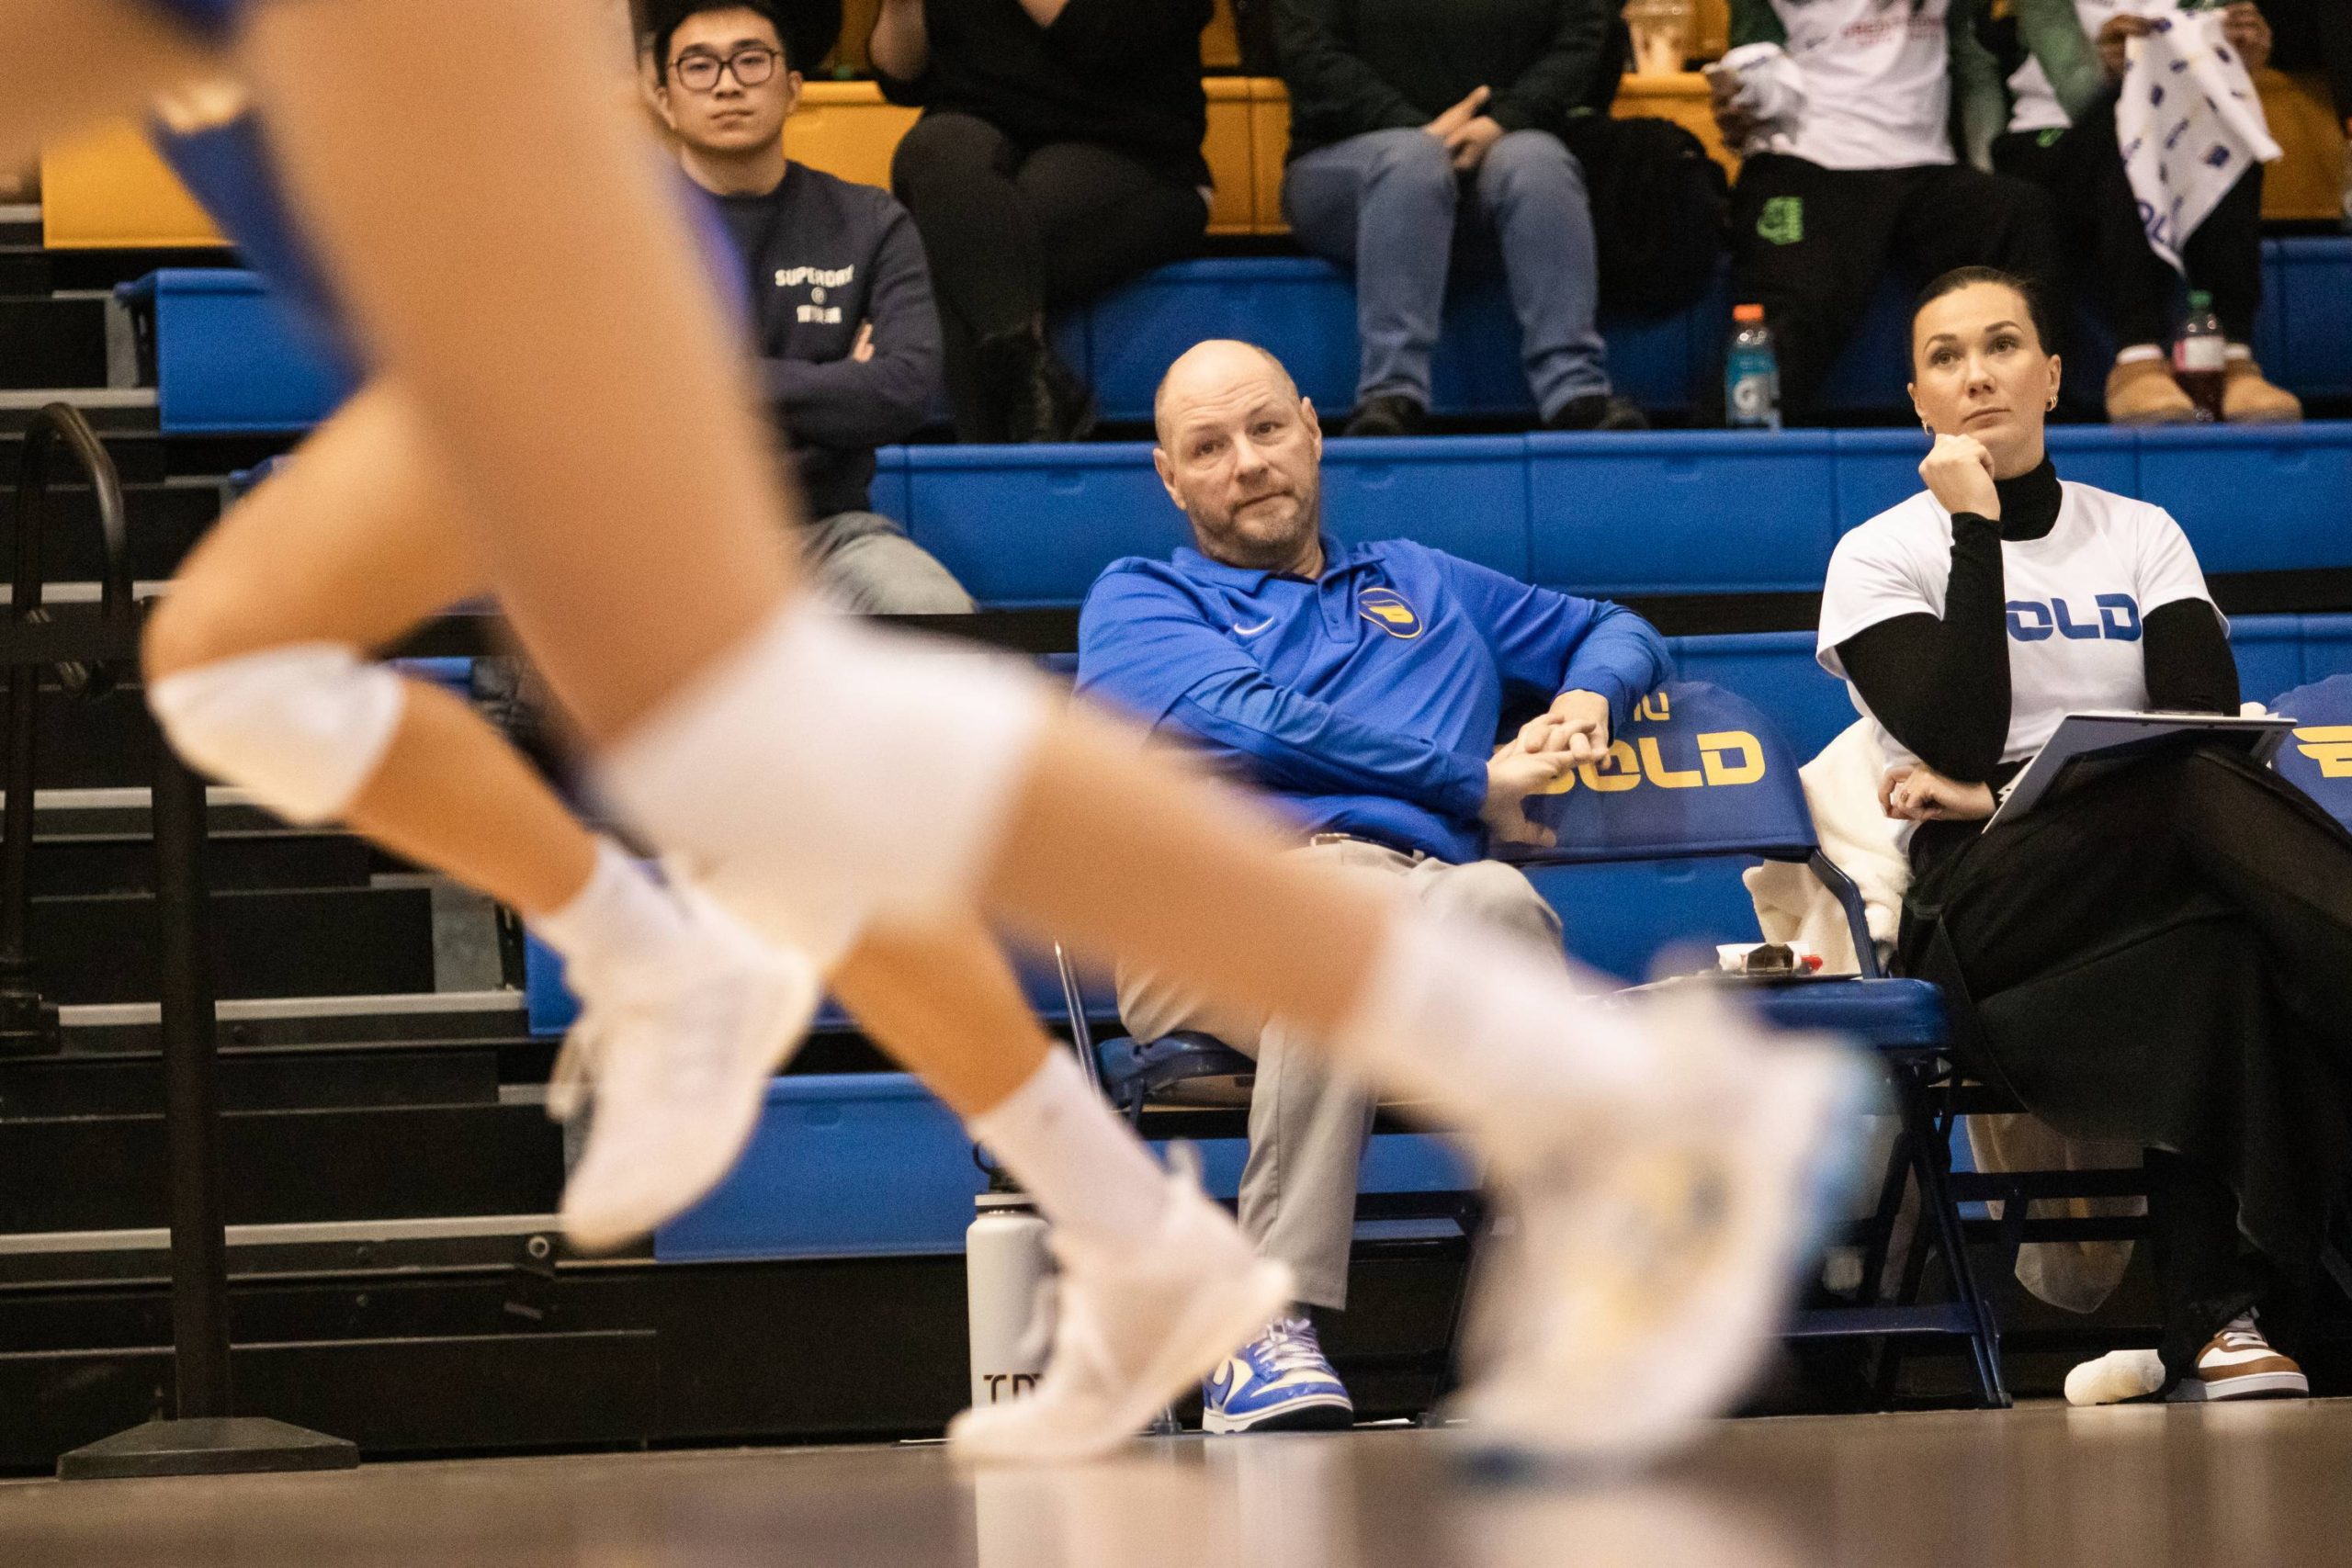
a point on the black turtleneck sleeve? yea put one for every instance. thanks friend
(2187, 653)
(1941, 686)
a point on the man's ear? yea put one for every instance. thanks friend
(1314, 423)
(794, 84)
(1166, 471)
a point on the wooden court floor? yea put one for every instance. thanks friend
(2243, 1486)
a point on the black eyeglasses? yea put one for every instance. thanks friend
(700, 72)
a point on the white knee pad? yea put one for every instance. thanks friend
(826, 772)
(303, 727)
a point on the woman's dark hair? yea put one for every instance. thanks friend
(1962, 277)
(658, 22)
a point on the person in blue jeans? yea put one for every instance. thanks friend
(1422, 132)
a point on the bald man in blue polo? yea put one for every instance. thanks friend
(1360, 689)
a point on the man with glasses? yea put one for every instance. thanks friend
(847, 335)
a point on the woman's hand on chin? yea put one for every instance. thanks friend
(1916, 793)
(1959, 472)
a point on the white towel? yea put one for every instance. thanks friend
(1792, 905)
(2190, 124)
(1771, 92)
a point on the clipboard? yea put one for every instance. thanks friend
(2091, 745)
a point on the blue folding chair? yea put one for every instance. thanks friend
(1699, 773)
(2317, 756)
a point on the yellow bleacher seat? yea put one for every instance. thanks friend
(2309, 181)
(1229, 149)
(108, 190)
(1269, 145)
(847, 128)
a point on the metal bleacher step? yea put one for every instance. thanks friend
(166, 518)
(265, 942)
(458, 1241)
(401, 1018)
(54, 341)
(287, 1167)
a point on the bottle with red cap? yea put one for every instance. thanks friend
(2201, 359)
(1752, 373)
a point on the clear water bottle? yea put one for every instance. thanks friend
(1752, 373)
(2200, 357)
(1005, 1267)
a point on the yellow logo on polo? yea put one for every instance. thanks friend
(2330, 745)
(1727, 758)
(1386, 608)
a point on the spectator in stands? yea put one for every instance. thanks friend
(1359, 686)
(1403, 114)
(2316, 35)
(2160, 955)
(1058, 154)
(2064, 60)
(1843, 110)
(847, 338)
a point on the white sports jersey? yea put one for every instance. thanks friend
(2077, 598)
(1877, 82)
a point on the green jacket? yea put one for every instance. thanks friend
(2052, 32)
(1980, 95)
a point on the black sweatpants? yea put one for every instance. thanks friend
(1012, 231)
(2314, 35)
(2099, 217)
(2164, 958)
(1810, 245)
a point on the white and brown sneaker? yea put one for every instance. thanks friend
(2239, 1363)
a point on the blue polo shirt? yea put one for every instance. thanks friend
(1366, 701)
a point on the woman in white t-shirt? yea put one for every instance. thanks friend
(2162, 957)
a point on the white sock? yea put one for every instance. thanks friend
(1469, 1021)
(621, 917)
(1093, 1178)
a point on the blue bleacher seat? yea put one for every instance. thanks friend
(2312, 284)
(228, 358)
(1681, 511)
(2254, 499)
(238, 367)
(1877, 469)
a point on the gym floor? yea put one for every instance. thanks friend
(2149, 1487)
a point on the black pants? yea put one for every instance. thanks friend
(1810, 245)
(2314, 35)
(2164, 958)
(1012, 231)
(2099, 219)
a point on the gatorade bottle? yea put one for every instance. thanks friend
(1752, 373)
(2201, 357)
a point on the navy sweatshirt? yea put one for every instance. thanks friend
(825, 257)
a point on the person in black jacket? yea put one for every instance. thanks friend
(1058, 154)
(847, 338)
(1403, 114)
(2160, 955)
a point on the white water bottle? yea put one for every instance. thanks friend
(1006, 1266)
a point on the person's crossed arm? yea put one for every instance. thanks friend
(1146, 646)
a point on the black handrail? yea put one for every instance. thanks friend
(28, 1023)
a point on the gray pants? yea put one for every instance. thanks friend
(1389, 203)
(867, 564)
(1307, 1127)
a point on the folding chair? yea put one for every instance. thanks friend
(2317, 757)
(1702, 773)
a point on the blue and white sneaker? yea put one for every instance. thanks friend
(1277, 1382)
